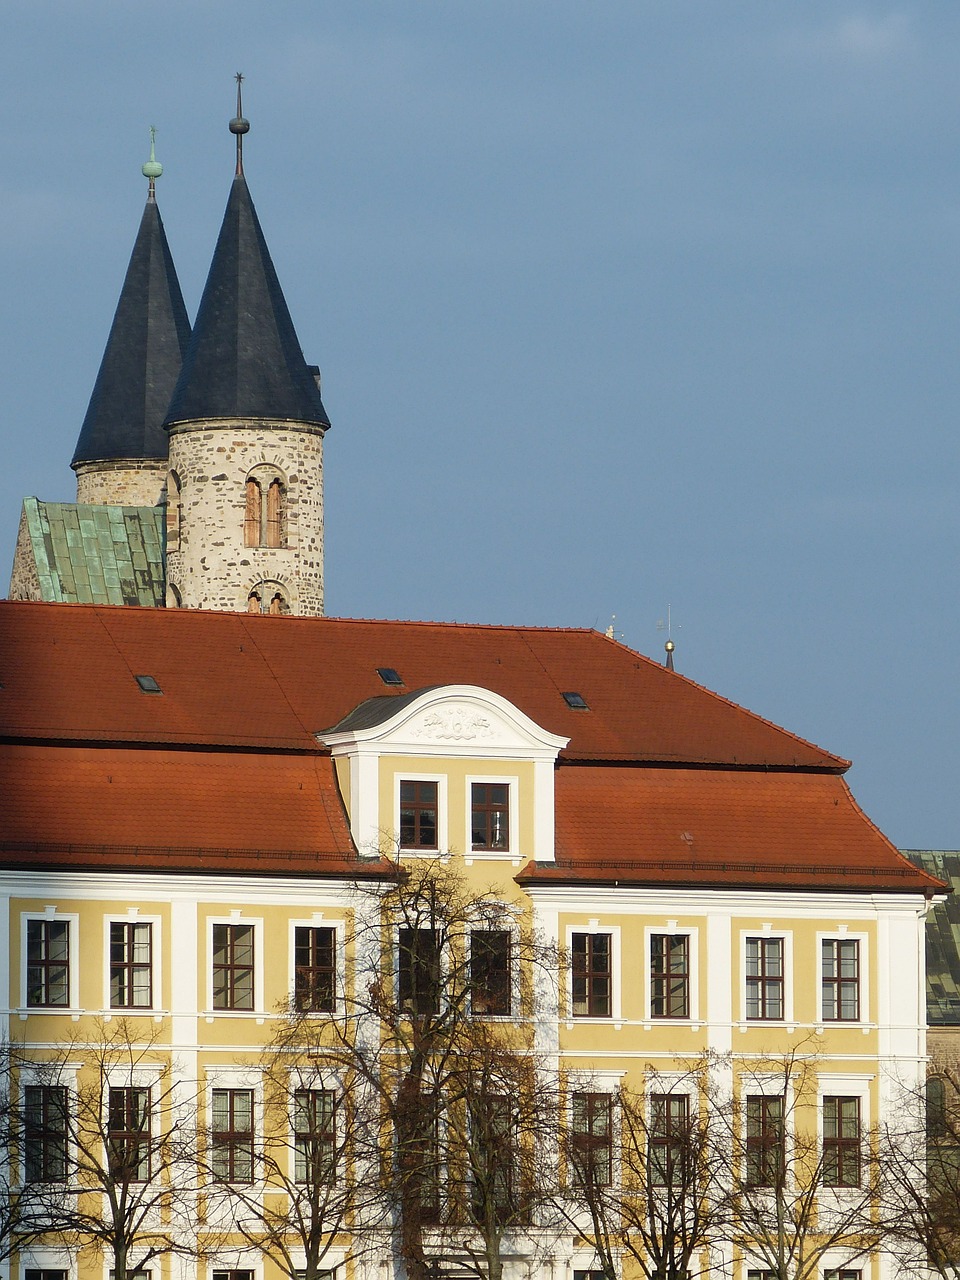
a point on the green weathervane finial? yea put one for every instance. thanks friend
(239, 126)
(152, 169)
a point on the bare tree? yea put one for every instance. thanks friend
(437, 1029)
(648, 1169)
(292, 1191)
(919, 1153)
(104, 1145)
(803, 1174)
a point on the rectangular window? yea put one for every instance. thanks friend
(231, 1145)
(419, 806)
(314, 1136)
(592, 976)
(843, 1274)
(490, 977)
(48, 964)
(592, 1138)
(841, 1142)
(492, 1155)
(765, 978)
(420, 1161)
(131, 964)
(419, 971)
(766, 1153)
(233, 966)
(762, 1275)
(233, 1275)
(669, 975)
(45, 1133)
(840, 979)
(128, 1134)
(490, 815)
(669, 1138)
(44, 1273)
(315, 969)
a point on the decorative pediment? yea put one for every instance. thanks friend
(444, 720)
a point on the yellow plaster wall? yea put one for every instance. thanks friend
(456, 772)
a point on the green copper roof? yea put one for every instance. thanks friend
(943, 938)
(88, 554)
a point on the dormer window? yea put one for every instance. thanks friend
(419, 803)
(490, 815)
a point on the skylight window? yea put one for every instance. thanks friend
(576, 701)
(389, 675)
(148, 684)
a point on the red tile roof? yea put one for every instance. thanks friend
(231, 679)
(716, 826)
(173, 811)
(663, 782)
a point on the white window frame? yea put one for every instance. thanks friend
(236, 917)
(598, 1082)
(512, 927)
(133, 916)
(321, 1080)
(72, 919)
(45, 1258)
(237, 1078)
(319, 921)
(847, 1086)
(765, 934)
(512, 782)
(443, 831)
(616, 1007)
(66, 1079)
(842, 934)
(672, 929)
(770, 1086)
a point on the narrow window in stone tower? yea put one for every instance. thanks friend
(254, 603)
(252, 514)
(275, 514)
(174, 510)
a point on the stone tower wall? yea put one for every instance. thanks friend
(208, 565)
(121, 484)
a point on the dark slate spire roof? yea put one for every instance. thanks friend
(143, 356)
(244, 359)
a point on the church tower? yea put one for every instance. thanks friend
(121, 455)
(246, 427)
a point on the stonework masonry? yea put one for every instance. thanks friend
(24, 580)
(126, 483)
(208, 565)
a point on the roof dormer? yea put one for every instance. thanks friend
(447, 769)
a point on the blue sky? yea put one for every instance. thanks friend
(618, 305)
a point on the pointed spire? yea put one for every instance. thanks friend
(144, 351)
(244, 360)
(668, 661)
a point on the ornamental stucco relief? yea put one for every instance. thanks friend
(454, 724)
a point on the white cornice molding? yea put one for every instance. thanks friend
(452, 720)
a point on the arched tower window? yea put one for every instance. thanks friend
(174, 511)
(173, 597)
(275, 506)
(265, 509)
(253, 514)
(268, 597)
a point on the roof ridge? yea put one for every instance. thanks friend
(729, 702)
